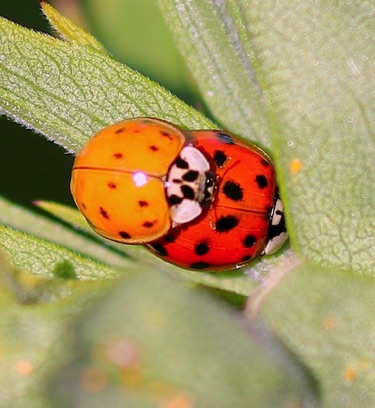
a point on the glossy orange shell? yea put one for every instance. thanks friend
(118, 179)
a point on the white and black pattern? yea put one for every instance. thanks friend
(277, 234)
(189, 185)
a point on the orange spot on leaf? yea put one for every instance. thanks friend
(295, 166)
(350, 374)
(93, 380)
(329, 323)
(23, 367)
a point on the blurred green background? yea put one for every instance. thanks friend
(134, 33)
(31, 168)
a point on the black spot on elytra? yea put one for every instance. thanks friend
(201, 249)
(84, 206)
(154, 148)
(170, 237)
(182, 164)
(143, 203)
(174, 199)
(220, 158)
(264, 163)
(111, 185)
(120, 130)
(118, 155)
(104, 213)
(191, 175)
(166, 134)
(249, 241)
(159, 249)
(233, 191)
(199, 265)
(149, 224)
(226, 223)
(188, 192)
(124, 235)
(225, 138)
(261, 180)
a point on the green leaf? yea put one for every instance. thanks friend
(303, 74)
(326, 318)
(316, 62)
(214, 40)
(67, 30)
(86, 90)
(45, 259)
(55, 232)
(33, 331)
(152, 342)
(139, 37)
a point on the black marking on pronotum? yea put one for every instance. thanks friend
(199, 265)
(174, 199)
(201, 249)
(274, 230)
(104, 213)
(249, 241)
(182, 164)
(233, 190)
(220, 158)
(124, 235)
(188, 192)
(226, 223)
(159, 249)
(261, 180)
(225, 138)
(191, 175)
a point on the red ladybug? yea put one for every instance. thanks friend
(243, 217)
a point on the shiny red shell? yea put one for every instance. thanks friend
(233, 229)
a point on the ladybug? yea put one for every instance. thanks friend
(245, 218)
(123, 180)
(201, 199)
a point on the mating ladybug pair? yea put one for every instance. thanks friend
(200, 199)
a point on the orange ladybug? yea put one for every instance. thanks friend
(124, 180)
